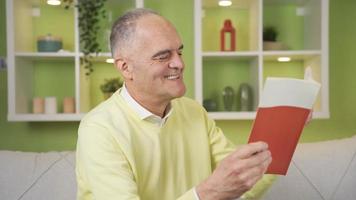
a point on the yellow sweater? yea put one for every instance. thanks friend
(120, 156)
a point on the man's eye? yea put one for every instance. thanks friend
(162, 57)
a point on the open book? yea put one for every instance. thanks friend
(281, 115)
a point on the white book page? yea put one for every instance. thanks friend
(289, 92)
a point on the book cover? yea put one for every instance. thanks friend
(282, 112)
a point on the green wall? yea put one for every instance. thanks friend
(47, 136)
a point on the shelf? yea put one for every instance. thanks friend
(294, 55)
(45, 117)
(303, 31)
(268, 55)
(45, 55)
(232, 115)
(252, 115)
(230, 54)
(100, 57)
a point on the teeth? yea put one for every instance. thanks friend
(171, 77)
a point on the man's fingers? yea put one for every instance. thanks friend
(251, 175)
(267, 163)
(248, 150)
(238, 172)
(260, 160)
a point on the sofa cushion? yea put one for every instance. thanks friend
(26, 175)
(320, 170)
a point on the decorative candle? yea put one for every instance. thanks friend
(50, 105)
(68, 105)
(38, 105)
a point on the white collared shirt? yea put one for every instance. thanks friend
(143, 112)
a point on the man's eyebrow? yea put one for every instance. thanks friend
(165, 51)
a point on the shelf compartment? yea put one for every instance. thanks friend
(244, 15)
(114, 9)
(294, 69)
(231, 71)
(299, 60)
(298, 23)
(38, 77)
(49, 20)
(90, 93)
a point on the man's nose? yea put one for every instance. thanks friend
(176, 61)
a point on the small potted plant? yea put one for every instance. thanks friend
(270, 39)
(110, 86)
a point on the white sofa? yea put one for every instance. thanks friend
(323, 170)
(37, 176)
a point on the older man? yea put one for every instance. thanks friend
(147, 141)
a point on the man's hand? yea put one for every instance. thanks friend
(237, 173)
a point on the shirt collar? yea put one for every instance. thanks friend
(142, 112)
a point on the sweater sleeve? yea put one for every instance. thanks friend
(220, 146)
(103, 172)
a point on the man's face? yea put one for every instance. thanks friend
(155, 60)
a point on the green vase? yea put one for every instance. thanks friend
(210, 105)
(228, 98)
(244, 97)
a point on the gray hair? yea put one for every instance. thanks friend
(124, 28)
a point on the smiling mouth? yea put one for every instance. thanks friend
(172, 77)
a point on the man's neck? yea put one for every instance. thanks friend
(155, 106)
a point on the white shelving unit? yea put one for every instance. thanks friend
(249, 63)
(27, 66)
(303, 31)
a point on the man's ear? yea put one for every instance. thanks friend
(125, 69)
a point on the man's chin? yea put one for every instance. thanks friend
(180, 92)
(180, 95)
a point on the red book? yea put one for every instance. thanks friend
(281, 115)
